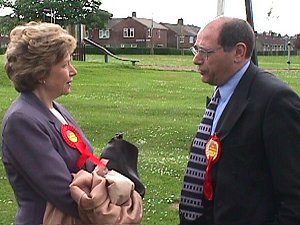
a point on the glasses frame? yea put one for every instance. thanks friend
(203, 51)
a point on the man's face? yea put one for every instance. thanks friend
(214, 64)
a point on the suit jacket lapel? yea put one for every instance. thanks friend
(237, 104)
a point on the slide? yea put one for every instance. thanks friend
(105, 51)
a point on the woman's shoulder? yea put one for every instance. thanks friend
(24, 110)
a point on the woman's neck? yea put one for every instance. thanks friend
(44, 97)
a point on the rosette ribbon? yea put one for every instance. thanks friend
(74, 139)
(213, 151)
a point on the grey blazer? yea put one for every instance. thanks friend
(37, 160)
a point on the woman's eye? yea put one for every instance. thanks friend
(66, 64)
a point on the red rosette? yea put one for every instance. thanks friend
(73, 138)
(70, 135)
(213, 150)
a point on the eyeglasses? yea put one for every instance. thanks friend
(204, 52)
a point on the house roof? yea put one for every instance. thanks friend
(270, 39)
(149, 23)
(187, 30)
(113, 22)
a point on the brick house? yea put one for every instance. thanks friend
(131, 32)
(180, 35)
(104, 36)
(271, 42)
(136, 32)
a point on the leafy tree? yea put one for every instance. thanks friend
(7, 23)
(63, 12)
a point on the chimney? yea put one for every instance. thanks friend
(180, 21)
(133, 14)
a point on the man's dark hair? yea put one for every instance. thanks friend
(235, 31)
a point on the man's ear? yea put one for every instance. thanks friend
(240, 52)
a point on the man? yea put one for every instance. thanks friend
(252, 167)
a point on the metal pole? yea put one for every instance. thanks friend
(289, 55)
(249, 14)
(151, 40)
(221, 6)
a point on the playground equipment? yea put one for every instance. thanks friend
(108, 53)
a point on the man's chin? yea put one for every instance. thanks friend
(205, 79)
(67, 92)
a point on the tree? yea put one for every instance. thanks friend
(7, 23)
(63, 12)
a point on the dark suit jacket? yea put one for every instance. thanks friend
(37, 160)
(257, 179)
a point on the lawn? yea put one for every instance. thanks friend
(157, 104)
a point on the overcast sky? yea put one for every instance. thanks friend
(284, 18)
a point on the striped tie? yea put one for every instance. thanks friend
(191, 204)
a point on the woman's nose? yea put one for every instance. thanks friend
(73, 71)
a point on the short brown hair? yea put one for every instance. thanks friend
(33, 49)
(236, 30)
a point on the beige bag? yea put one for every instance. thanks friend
(119, 187)
(103, 198)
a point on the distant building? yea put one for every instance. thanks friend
(134, 32)
(137, 32)
(270, 42)
(131, 32)
(180, 35)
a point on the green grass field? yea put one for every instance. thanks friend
(157, 109)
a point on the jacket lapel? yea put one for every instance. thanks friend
(237, 104)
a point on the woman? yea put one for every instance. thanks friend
(43, 147)
(38, 160)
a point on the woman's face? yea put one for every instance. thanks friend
(59, 81)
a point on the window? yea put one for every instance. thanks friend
(191, 40)
(103, 34)
(181, 39)
(149, 33)
(128, 32)
(125, 32)
(131, 32)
